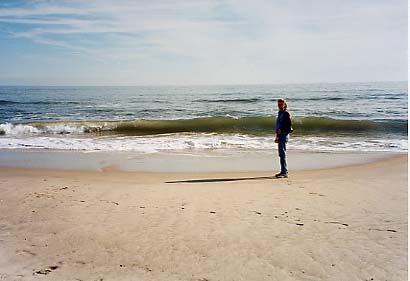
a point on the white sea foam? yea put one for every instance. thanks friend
(22, 129)
(196, 142)
(63, 129)
(10, 129)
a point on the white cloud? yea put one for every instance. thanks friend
(217, 41)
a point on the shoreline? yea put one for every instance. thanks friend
(200, 161)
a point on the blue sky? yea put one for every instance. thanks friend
(127, 42)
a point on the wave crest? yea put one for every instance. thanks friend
(244, 125)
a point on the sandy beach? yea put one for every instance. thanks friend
(346, 223)
(139, 140)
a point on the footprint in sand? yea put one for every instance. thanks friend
(147, 268)
(27, 253)
(314, 193)
(336, 222)
(377, 229)
(46, 271)
(115, 203)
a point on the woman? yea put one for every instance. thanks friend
(283, 128)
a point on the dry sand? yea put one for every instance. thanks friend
(341, 224)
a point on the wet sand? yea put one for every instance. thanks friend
(184, 161)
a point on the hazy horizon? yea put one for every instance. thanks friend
(198, 85)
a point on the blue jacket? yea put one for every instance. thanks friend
(283, 123)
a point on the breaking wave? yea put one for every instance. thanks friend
(224, 125)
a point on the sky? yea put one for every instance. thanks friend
(186, 42)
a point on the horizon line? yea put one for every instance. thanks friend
(194, 85)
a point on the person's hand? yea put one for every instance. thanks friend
(279, 131)
(276, 140)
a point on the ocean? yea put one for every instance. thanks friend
(151, 119)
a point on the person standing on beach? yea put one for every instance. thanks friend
(283, 128)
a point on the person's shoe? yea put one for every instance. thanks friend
(281, 175)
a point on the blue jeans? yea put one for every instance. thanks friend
(282, 154)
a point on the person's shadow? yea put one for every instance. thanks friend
(222, 180)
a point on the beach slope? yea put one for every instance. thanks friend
(346, 223)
